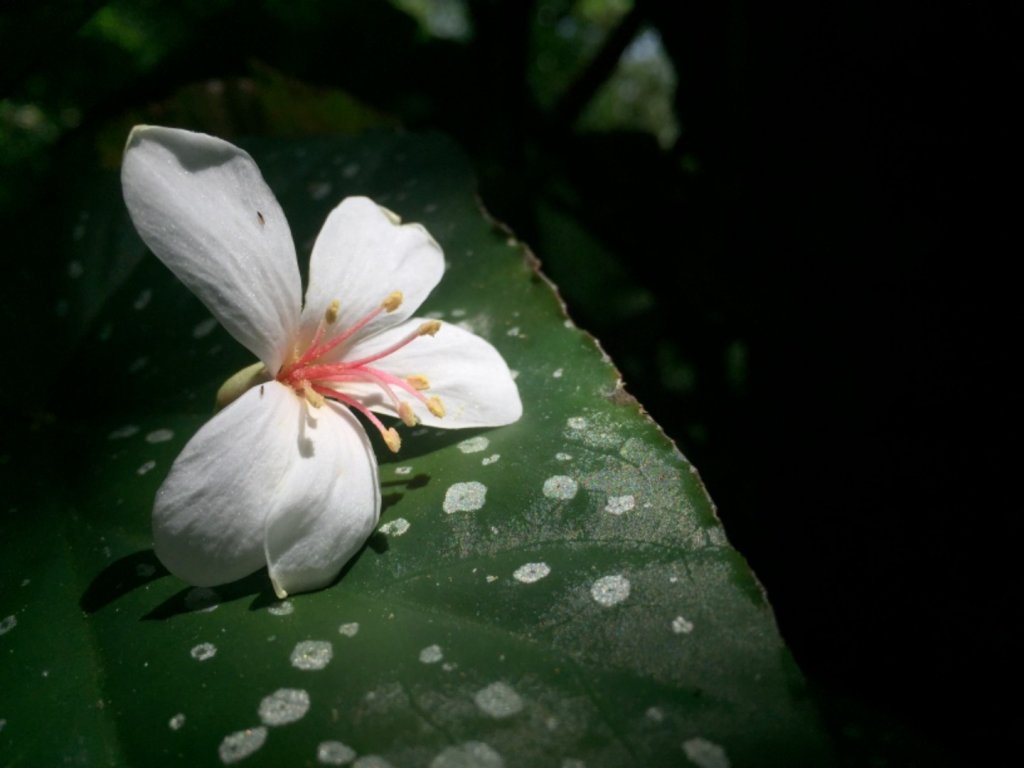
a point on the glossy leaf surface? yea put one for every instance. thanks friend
(556, 592)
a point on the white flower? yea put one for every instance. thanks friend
(285, 475)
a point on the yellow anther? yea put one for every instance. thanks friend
(418, 381)
(332, 312)
(391, 438)
(406, 415)
(429, 328)
(435, 406)
(312, 396)
(393, 301)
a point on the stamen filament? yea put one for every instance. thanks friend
(428, 328)
(391, 437)
(341, 372)
(316, 350)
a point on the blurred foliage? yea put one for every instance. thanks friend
(445, 19)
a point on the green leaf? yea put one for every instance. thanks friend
(556, 592)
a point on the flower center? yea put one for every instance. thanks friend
(316, 380)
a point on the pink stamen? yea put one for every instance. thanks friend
(340, 372)
(389, 350)
(352, 403)
(317, 350)
(314, 381)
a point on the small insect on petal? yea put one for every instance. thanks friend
(259, 216)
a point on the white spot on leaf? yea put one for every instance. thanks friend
(610, 590)
(240, 744)
(472, 754)
(318, 190)
(531, 572)
(334, 753)
(310, 655)
(142, 300)
(8, 623)
(122, 432)
(204, 328)
(148, 466)
(371, 761)
(283, 706)
(498, 700)
(284, 608)
(395, 527)
(465, 497)
(474, 444)
(681, 626)
(431, 654)
(705, 754)
(204, 651)
(176, 722)
(160, 436)
(560, 487)
(618, 505)
(350, 629)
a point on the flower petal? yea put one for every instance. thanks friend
(328, 505)
(360, 257)
(209, 514)
(202, 207)
(466, 372)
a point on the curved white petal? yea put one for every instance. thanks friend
(202, 207)
(466, 372)
(360, 257)
(327, 506)
(209, 513)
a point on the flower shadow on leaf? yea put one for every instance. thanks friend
(121, 577)
(141, 568)
(183, 602)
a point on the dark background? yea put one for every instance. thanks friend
(796, 252)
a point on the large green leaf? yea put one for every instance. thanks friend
(556, 592)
